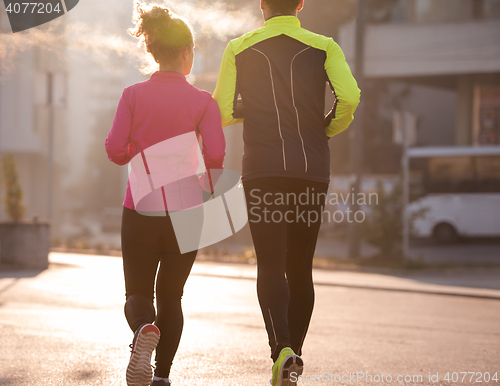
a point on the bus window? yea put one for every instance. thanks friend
(450, 174)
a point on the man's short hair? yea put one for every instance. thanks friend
(283, 6)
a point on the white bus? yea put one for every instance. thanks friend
(460, 189)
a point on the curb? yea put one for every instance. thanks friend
(466, 292)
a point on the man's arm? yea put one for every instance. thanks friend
(226, 88)
(345, 88)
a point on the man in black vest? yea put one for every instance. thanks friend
(273, 80)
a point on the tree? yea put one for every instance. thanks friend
(383, 227)
(13, 193)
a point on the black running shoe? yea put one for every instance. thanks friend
(139, 370)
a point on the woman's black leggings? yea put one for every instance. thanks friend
(149, 242)
(285, 216)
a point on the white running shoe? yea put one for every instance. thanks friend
(139, 370)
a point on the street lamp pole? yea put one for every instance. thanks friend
(356, 138)
(408, 128)
(50, 153)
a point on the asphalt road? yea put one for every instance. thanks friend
(65, 326)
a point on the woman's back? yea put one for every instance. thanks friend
(164, 106)
(162, 118)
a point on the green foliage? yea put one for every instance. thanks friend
(13, 194)
(383, 227)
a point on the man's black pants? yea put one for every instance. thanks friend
(284, 217)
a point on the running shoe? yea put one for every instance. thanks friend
(287, 368)
(139, 370)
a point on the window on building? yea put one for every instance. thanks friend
(487, 115)
(443, 11)
(491, 9)
(437, 11)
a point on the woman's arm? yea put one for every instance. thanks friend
(213, 143)
(118, 141)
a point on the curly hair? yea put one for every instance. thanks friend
(164, 33)
(283, 6)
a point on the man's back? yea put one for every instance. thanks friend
(280, 72)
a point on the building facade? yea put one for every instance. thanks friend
(58, 94)
(437, 61)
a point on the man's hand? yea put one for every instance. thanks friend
(238, 109)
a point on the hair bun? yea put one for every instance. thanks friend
(158, 12)
(163, 32)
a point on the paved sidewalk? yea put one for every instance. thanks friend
(472, 282)
(467, 282)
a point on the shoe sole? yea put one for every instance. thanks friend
(139, 370)
(292, 364)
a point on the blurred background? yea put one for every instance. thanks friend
(429, 71)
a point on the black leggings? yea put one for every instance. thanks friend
(146, 243)
(284, 217)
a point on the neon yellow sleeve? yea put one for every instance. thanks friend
(345, 88)
(226, 87)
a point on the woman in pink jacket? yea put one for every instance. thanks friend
(153, 131)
